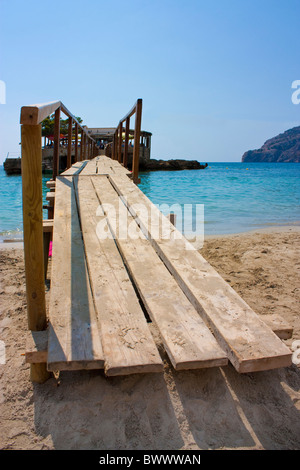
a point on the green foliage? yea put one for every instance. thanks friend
(48, 125)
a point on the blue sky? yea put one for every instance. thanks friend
(215, 77)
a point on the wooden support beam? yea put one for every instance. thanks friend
(115, 153)
(33, 225)
(48, 225)
(36, 350)
(69, 155)
(56, 144)
(50, 184)
(81, 146)
(50, 196)
(120, 144)
(39, 373)
(125, 160)
(76, 142)
(136, 148)
(84, 146)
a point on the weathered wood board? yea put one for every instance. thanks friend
(126, 339)
(75, 169)
(74, 340)
(186, 338)
(249, 343)
(36, 349)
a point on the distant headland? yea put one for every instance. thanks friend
(282, 148)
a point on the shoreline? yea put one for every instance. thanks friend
(15, 244)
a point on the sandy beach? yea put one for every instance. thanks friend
(206, 409)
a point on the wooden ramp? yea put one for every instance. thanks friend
(103, 282)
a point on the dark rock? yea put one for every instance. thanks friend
(12, 166)
(153, 164)
(282, 148)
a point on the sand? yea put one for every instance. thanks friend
(205, 409)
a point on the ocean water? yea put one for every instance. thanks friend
(236, 197)
(11, 219)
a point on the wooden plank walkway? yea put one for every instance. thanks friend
(74, 341)
(100, 285)
(249, 343)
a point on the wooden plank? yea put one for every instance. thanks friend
(50, 184)
(108, 166)
(90, 168)
(36, 351)
(55, 163)
(74, 340)
(278, 325)
(50, 196)
(249, 343)
(127, 342)
(47, 225)
(75, 169)
(186, 338)
(33, 225)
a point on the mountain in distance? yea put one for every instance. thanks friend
(282, 148)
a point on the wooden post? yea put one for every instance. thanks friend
(69, 156)
(56, 144)
(33, 225)
(84, 146)
(76, 142)
(125, 159)
(120, 144)
(39, 372)
(81, 145)
(136, 148)
(115, 154)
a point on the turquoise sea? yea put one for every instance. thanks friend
(11, 220)
(237, 197)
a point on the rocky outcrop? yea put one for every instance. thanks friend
(282, 148)
(12, 166)
(169, 165)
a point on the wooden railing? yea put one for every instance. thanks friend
(122, 156)
(31, 145)
(34, 115)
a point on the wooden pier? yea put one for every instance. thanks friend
(113, 270)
